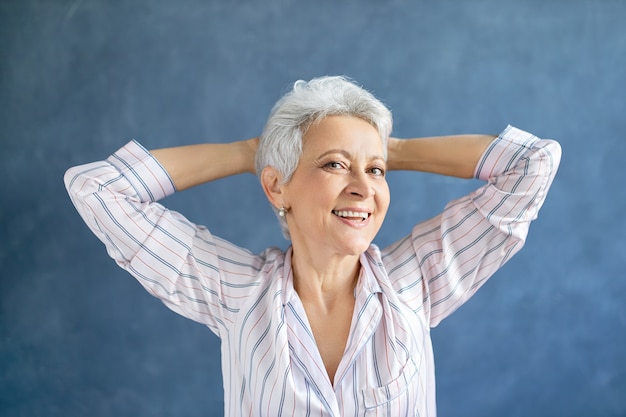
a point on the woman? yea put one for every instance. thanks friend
(334, 326)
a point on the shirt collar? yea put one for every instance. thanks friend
(367, 279)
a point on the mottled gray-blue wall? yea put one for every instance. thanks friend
(78, 337)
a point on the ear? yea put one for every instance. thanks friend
(271, 181)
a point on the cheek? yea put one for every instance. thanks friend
(384, 198)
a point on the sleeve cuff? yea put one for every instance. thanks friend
(503, 152)
(147, 176)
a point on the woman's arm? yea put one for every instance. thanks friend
(455, 156)
(176, 260)
(193, 165)
(447, 258)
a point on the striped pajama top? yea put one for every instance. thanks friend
(270, 362)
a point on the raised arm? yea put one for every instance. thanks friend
(193, 165)
(446, 259)
(181, 263)
(455, 156)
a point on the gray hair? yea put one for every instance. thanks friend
(280, 145)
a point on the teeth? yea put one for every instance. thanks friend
(346, 213)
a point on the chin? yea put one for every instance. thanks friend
(356, 248)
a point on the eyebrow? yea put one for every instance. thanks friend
(348, 155)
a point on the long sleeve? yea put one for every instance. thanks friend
(193, 272)
(444, 260)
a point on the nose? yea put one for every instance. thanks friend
(360, 186)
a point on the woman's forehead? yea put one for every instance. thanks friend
(346, 133)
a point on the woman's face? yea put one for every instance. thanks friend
(338, 195)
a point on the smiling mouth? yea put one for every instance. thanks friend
(351, 215)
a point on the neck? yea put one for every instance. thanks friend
(324, 281)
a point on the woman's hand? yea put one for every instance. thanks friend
(455, 156)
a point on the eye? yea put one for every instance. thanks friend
(333, 165)
(377, 171)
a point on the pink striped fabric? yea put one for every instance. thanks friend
(270, 362)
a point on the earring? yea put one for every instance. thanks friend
(282, 212)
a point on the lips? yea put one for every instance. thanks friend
(352, 215)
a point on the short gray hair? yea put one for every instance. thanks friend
(280, 145)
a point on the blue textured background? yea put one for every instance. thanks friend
(78, 337)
